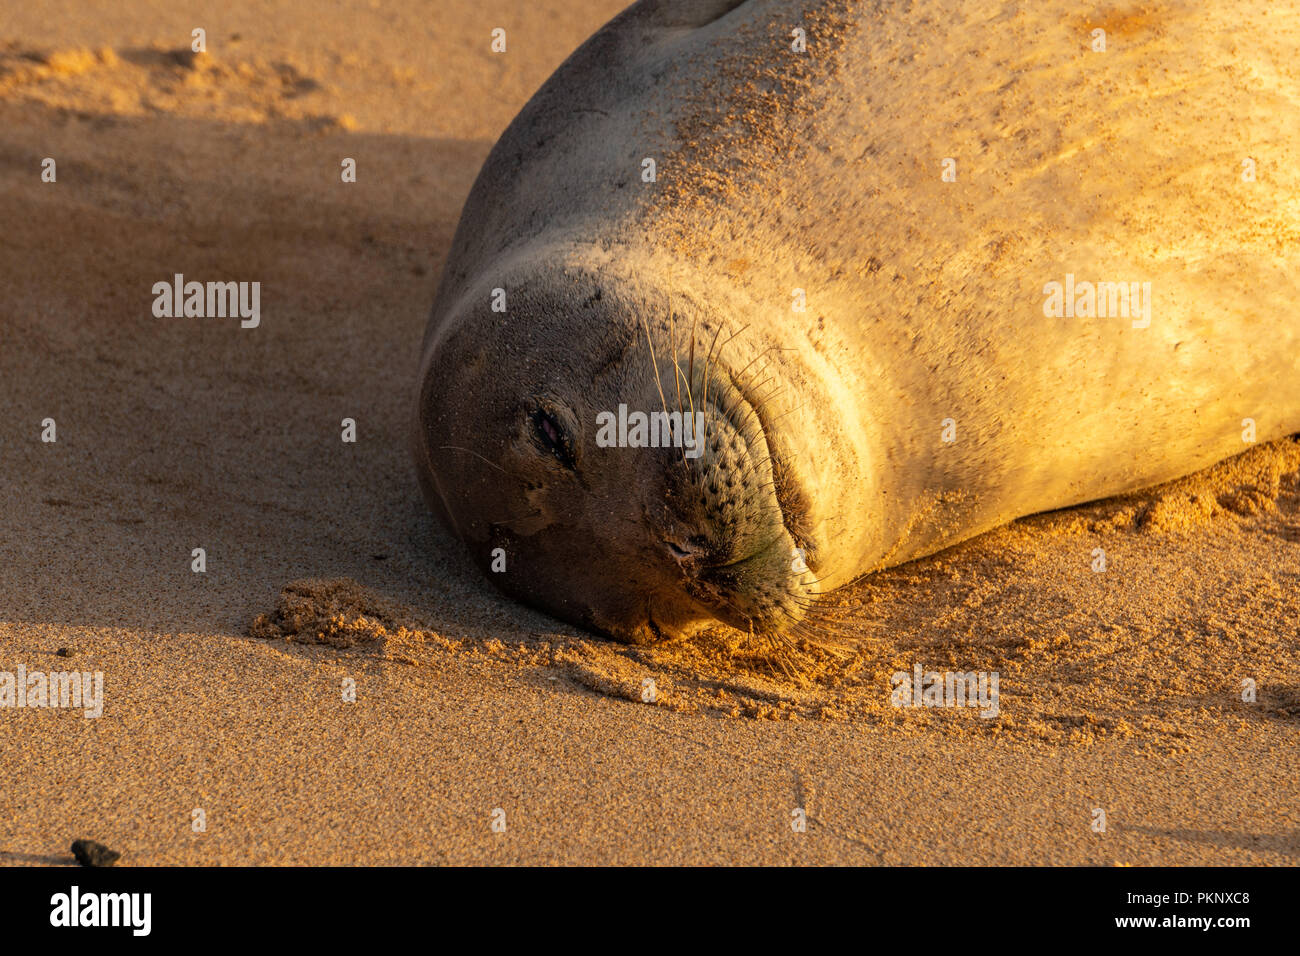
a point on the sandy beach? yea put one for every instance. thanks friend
(224, 691)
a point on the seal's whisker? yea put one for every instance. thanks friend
(789, 412)
(690, 368)
(812, 634)
(835, 621)
(831, 642)
(818, 633)
(689, 396)
(850, 578)
(708, 357)
(470, 451)
(756, 358)
(817, 581)
(658, 381)
(509, 518)
(760, 355)
(752, 411)
(677, 372)
(724, 344)
(763, 355)
(780, 387)
(778, 654)
(705, 402)
(811, 626)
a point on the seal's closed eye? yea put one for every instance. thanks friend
(552, 437)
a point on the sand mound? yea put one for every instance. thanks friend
(1263, 481)
(339, 613)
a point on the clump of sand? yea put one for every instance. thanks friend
(1261, 482)
(339, 613)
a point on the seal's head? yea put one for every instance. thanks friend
(598, 473)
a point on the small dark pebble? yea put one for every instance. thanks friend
(64, 652)
(90, 853)
(380, 557)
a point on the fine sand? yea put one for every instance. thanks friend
(224, 691)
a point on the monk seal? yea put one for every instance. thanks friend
(922, 269)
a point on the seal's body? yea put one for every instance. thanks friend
(923, 270)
